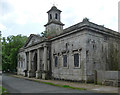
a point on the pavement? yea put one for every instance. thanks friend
(89, 87)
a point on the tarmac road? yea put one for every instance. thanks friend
(18, 85)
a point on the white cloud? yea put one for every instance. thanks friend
(2, 27)
(27, 13)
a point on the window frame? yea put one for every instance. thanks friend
(79, 55)
(64, 61)
(55, 65)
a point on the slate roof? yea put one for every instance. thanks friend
(54, 8)
(86, 24)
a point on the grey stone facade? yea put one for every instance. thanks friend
(93, 46)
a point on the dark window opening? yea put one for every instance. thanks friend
(87, 53)
(19, 64)
(56, 16)
(35, 62)
(50, 16)
(65, 60)
(66, 46)
(76, 60)
(19, 58)
(56, 61)
(93, 46)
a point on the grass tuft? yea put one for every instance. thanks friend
(3, 91)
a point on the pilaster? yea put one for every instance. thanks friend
(44, 74)
(29, 66)
(38, 73)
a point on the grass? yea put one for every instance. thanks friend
(3, 91)
(65, 86)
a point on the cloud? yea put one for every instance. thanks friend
(28, 13)
(5, 7)
(2, 27)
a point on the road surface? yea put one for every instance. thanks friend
(18, 85)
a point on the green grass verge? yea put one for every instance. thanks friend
(65, 86)
(3, 91)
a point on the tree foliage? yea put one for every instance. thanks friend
(10, 47)
(48, 34)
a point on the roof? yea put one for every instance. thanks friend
(54, 8)
(86, 24)
(55, 22)
(37, 36)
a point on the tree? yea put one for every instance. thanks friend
(44, 34)
(10, 47)
(49, 34)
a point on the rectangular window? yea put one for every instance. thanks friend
(64, 60)
(56, 61)
(76, 60)
(19, 64)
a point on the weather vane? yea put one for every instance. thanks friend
(54, 3)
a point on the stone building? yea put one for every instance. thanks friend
(74, 53)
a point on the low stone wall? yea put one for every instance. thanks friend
(108, 78)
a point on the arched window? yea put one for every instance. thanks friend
(50, 16)
(56, 16)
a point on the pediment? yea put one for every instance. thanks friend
(32, 40)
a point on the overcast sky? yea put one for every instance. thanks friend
(29, 16)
